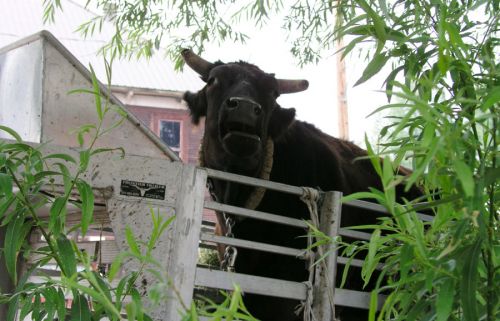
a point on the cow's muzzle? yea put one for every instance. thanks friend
(239, 129)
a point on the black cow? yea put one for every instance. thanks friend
(246, 131)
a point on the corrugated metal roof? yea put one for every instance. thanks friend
(19, 19)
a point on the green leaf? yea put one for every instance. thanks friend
(468, 284)
(465, 176)
(406, 256)
(43, 174)
(26, 306)
(116, 265)
(389, 81)
(37, 311)
(61, 305)
(444, 301)
(57, 214)
(80, 309)
(14, 238)
(97, 93)
(351, 45)
(5, 204)
(50, 295)
(67, 178)
(66, 255)
(361, 195)
(119, 292)
(5, 185)
(492, 98)
(373, 305)
(132, 243)
(417, 310)
(387, 179)
(11, 132)
(378, 22)
(65, 157)
(373, 157)
(371, 261)
(131, 310)
(136, 298)
(491, 176)
(87, 199)
(84, 159)
(378, 61)
(101, 286)
(3, 159)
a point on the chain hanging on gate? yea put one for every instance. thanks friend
(230, 252)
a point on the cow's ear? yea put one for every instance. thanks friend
(281, 119)
(197, 104)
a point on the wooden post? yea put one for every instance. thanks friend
(324, 287)
(343, 119)
(186, 238)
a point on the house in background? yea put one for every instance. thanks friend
(165, 113)
(150, 88)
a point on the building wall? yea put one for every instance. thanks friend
(190, 135)
(152, 107)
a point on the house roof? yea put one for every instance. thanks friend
(19, 19)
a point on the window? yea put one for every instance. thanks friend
(170, 133)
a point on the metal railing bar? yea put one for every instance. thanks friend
(355, 234)
(208, 237)
(356, 299)
(277, 288)
(295, 190)
(254, 182)
(255, 214)
(379, 208)
(250, 284)
(356, 262)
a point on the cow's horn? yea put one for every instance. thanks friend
(198, 64)
(288, 86)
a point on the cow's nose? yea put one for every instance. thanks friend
(244, 104)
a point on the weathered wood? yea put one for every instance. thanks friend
(186, 236)
(252, 245)
(255, 214)
(324, 288)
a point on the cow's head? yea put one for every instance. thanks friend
(239, 103)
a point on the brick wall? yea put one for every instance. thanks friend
(190, 135)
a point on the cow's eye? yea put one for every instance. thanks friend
(212, 81)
